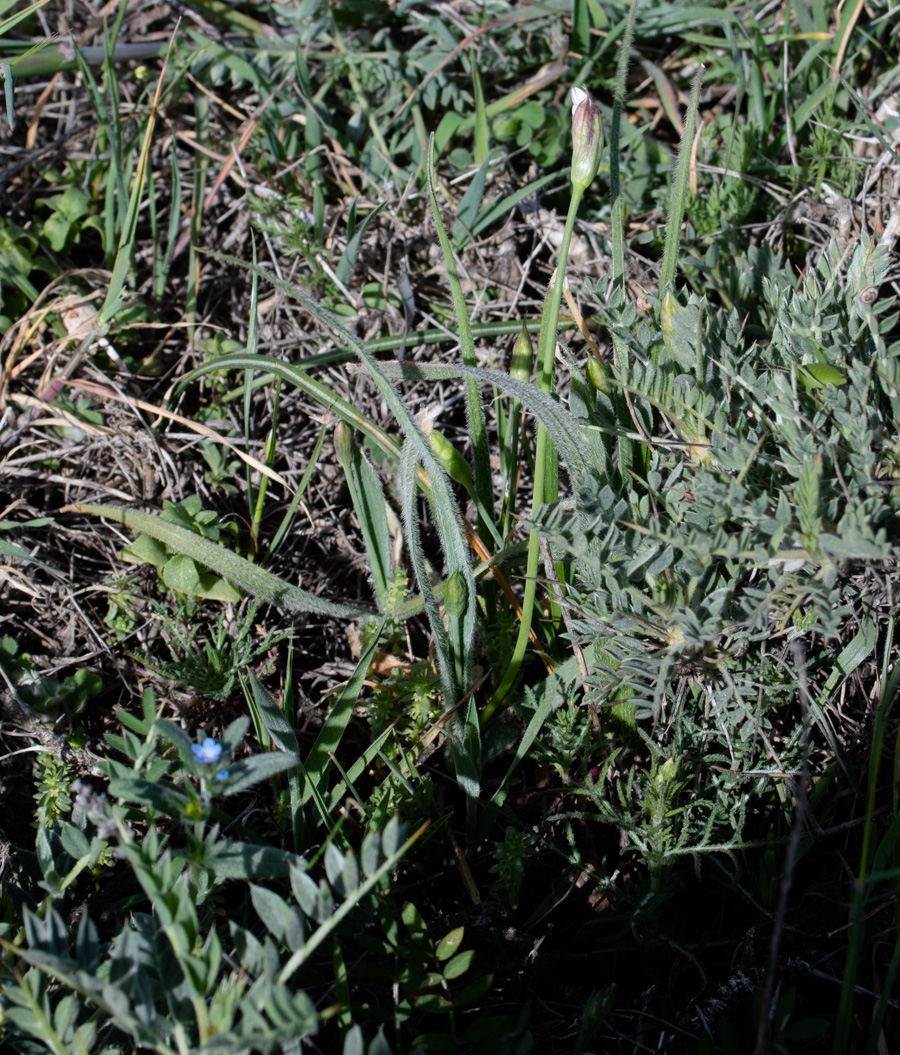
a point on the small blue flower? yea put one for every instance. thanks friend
(207, 752)
(222, 774)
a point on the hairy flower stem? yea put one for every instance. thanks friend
(546, 481)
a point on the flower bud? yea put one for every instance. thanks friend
(344, 445)
(453, 463)
(587, 138)
(598, 375)
(522, 357)
(455, 595)
(667, 311)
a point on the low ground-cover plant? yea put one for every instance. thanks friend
(183, 976)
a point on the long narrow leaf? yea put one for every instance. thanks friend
(446, 513)
(409, 498)
(680, 190)
(317, 762)
(285, 739)
(238, 571)
(113, 300)
(474, 408)
(388, 866)
(565, 431)
(616, 197)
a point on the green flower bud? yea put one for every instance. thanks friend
(587, 138)
(344, 445)
(453, 463)
(522, 357)
(667, 312)
(455, 595)
(598, 375)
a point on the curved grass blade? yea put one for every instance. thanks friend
(237, 570)
(474, 408)
(680, 190)
(368, 500)
(450, 686)
(616, 197)
(316, 939)
(446, 513)
(562, 427)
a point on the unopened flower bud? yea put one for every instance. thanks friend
(344, 445)
(453, 463)
(522, 357)
(587, 138)
(667, 311)
(598, 375)
(455, 595)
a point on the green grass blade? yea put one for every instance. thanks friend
(450, 687)
(283, 736)
(288, 517)
(252, 343)
(564, 429)
(362, 891)
(8, 549)
(368, 500)
(680, 191)
(114, 300)
(495, 210)
(482, 145)
(318, 762)
(444, 507)
(616, 198)
(474, 408)
(347, 262)
(357, 770)
(469, 206)
(237, 570)
(19, 16)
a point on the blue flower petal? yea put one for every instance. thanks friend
(207, 752)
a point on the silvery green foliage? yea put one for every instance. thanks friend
(750, 477)
(174, 980)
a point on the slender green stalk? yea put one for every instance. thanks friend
(520, 368)
(474, 408)
(546, 483)
(269, 458)
(482, 147)
(114, 300)
(252, 345)
(862, 884)
(617, 201)
(680, 190)
(288, 517)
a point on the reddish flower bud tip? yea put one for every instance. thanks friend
(587, 138)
